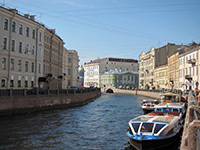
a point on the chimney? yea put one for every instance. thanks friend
(32, 17)
(26, 16)
(15, 11)
(53, 30)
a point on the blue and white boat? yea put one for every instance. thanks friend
(176, 109)
(148, 132)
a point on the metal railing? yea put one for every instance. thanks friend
(29, 92)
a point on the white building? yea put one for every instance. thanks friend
(94, 68)
(189, 67)
(21, 51)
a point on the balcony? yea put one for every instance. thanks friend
(191, 61)
(188, 77)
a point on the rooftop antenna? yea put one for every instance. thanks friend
(3, 3)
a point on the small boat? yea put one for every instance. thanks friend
(148, 132)
(148, 105)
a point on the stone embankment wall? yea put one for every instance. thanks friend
(191, 132)
(30, 103)
(150, 94)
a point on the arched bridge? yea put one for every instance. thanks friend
(110, 89)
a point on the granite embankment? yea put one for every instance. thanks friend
(191, 132)
(23, 101)
(147, 93)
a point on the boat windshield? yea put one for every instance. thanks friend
(135, 126)
(158, 127)
(165, 110)
(147, 127)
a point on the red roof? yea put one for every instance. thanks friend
(96, 61)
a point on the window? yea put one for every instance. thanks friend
(19, 83)
(12, 64)
(32, 83)
(27, 31)
(39, 68)
(13, 26)
(5, 40)
(5, 24)
(13, 45)
(26, 66)
(19, 65)
(3, 83)
(11, 83)
(27, 48)
(32, 67)
(40, 37)
(26, 84)
(20, 29)
(4, 63)
(69, 60)
(20, 47)
(33, 50)
(33, 34)
(69, 71)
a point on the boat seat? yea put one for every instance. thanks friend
(174, 113)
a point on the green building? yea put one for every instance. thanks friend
(125, 79)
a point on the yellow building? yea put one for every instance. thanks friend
(161, 77)
(173, 70)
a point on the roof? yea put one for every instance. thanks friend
(113, 59)
(96, 61)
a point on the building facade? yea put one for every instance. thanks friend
(118, 79)
(189, 67)
(22, 50)
(81, 77)
(146, 69)
(94, 68)
(154, 58)
(73, 65)
(161, 77)
(173, 69)
(163, 52)
(53, 60)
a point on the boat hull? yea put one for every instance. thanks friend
(153, 144)
(147, 110)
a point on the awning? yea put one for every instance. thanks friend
(42, 79)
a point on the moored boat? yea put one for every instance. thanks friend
(177, 109)
(148, 105)
(148, 132)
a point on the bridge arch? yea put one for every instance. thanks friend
(109, 90)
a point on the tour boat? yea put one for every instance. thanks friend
(177, 109)
(148, 132)
(148, 105)
(169, 97)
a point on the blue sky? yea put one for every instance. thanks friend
(116, 28)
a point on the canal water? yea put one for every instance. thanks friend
(99, 125)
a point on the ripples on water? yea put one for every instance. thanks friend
(99, 125)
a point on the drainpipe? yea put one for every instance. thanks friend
(9, 49)
(36, 56)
